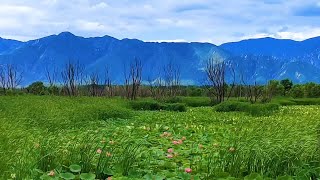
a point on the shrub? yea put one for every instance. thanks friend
(151, 105)
(37, 88)
(307, 101)
(172, 100)
(230, 106)
(147, 105)
(252, 109)
(99, 113)
(176, 107)
(262, 109)
(196, 101)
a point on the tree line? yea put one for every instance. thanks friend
(72, 80)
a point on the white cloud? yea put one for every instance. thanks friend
(214, 21)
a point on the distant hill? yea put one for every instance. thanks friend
(257, 59)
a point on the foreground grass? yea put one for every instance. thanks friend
(105, 137)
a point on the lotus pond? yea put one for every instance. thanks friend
(97, 138)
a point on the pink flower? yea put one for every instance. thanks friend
(232, 149)
(180, 141)
(51, 173)
(175, 142)
(109, 178)
(170, 150)
(188, 170)
(108, 154)
(169, 156)
(99, 151)
(200, 146)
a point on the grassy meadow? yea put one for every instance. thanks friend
(47, 137)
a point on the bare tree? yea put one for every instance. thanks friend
(156, 86)
(14, 77)
(136, 77)
(108, 82)
(3, 80)
(92, 82)
(72, 76)
(172, 78)
(233, 74)
(51, 75)
(215, 73)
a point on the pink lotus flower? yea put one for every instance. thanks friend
(175, 142)
(99, 151)
(51, 173)
(109, 178)
(169, 156)
(170, 150)
(232, 149)
(180, 141)
(200, 146)
(188, 170)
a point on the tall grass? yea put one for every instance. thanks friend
(43, 134)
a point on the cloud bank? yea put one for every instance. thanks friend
(211, 21)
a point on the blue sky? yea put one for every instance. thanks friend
(214, 21)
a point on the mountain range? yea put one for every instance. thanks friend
(255, 60)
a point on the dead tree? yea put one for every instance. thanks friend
(136, 77)
(108, 82)
(13, 77)
(233, 75)
(72, 77)
(133, 79)
(215, 73)
(172, 79)
(3, 80)
(92, 83)
(51, 75)
(156, 85)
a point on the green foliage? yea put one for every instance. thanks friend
(37, 88)
(297, 91)
(179, 107)
(287, 84)
(231, 106)
(252, 109)
(151, 105)
(263, 109)
(47, 137)
(147, 105)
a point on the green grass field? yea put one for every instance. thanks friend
(43, 137)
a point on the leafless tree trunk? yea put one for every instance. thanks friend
(72, 77)
(136, 77)
(13, 77)
(172, 79)
(215, 72)
(133, 79)
(108, 82)
(51, 75)
(233, 74)
(92, 83)
(3, 80)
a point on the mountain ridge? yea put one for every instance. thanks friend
(259, 59)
